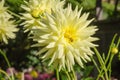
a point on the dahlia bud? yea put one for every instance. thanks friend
(114, 50)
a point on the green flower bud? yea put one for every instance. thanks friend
(114, 50)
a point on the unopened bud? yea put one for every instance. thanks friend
(114, 50)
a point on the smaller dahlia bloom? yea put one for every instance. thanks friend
(66, 38)
(35, 9)
(7, 29)
(3, 11)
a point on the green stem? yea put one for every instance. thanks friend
(6, 59)
(100, 76)
(118, 42)
(67, 75)
(5, 74)
(106, 75)
(8, 63)
(108, 57)
(110, 48)
(97, 69)
(95, 64)
(99, 57)
(74, 75)
(103, 64)
(14, 14)
(109, 65)
(57, 74)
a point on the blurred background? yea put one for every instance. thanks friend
(107, 18)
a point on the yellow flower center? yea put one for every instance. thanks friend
(70, 34)
(2, 31)
(2, 10)
(37, 12)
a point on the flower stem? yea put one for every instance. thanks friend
(104, 69)
(6, 59)
(57, 74)
(74, 75)
(106, 75)
(118, 42)
(5, 74)
(109, 65)
(67, 75)
(8, 63)
(97, 69)
(102, 63)
(110, 48)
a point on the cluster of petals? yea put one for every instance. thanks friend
(65, 37)
(7, 27)
(35, 9)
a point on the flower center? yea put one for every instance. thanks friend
(37, 12)
(70, 34)
(2, 11)
(1, 31)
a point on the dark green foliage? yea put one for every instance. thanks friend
(14, 5)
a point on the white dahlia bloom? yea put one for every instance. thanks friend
(66, 38)
(3, 11)
(35, 9)
(7, 29)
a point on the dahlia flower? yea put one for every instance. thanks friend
(7, 28)
(3, 11)
(35, 9)
(66, 38)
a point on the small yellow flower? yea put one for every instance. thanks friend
(66, 37)
(36, 9)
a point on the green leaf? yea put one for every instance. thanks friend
(15, 5)
(88, 4)
(63, 76)
(103, 55)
